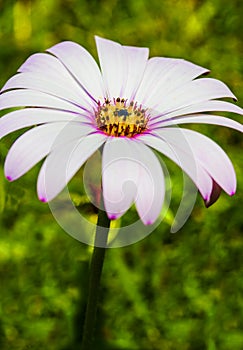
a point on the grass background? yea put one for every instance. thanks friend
(180, 291)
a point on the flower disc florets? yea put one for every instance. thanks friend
(119, 118)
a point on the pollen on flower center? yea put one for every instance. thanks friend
(119, 118)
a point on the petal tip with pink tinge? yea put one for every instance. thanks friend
(149, 222)
(112, 216)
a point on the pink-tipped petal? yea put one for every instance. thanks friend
(33, 116)
(82, 66)
(131, 172)
(151, 185)
(30, 148)
(180, 152)
(211, 157)
(36, 143)
(63, 162)
(119, 176)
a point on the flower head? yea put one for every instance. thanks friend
(130, 106)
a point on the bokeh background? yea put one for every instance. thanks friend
(181, 291)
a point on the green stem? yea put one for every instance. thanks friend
(96, 266)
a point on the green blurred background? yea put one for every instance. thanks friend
(180, 291)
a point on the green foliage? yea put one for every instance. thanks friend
(180, 291)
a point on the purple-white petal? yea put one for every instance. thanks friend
(201, 118)
(206, 106)
(30, 148)
(62, 164)
(164, 75)
(29, 98)
(50, 66)
(131, 172)
(211, 157)
(196, 91)
(114, 69)
(122, 67)
(45, 64)
(36, 143)
(82, 66)
(65, 89)
(151, 185)
(33, 116)
(119, 176)
(181, 153)
(156, 68)
(136, 59)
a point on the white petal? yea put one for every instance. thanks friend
(45, 64)
(122, 67)
(206, 106)
(196, 91)
(201, 118)
(136, 63)
(62, 164)
(82, 66)
(65, 89)
(131, 172)
(156, 69)
(163, 75)
(30, 148)
(151, 185)
(184, 72)
(211, 157)
(36, 143)
(114, 67)
(119, 176)
(33, 116)
(29, 98)
(182, 155)
(50, 66)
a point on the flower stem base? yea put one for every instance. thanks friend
(96, 266)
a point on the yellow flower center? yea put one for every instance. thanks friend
(117, 118)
